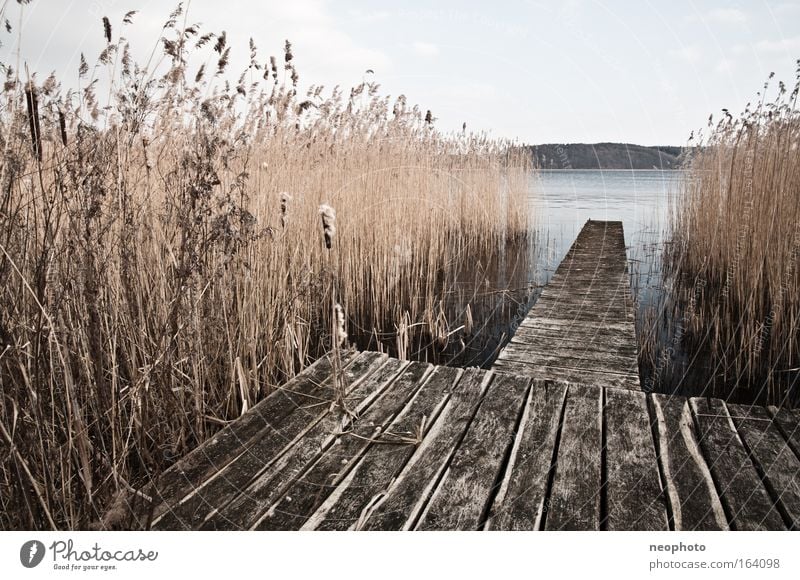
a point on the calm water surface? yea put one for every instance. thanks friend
(562, 201)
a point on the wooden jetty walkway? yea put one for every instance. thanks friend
(427, 447)
(581, 327)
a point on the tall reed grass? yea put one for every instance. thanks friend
(733, 259)
(163, 265)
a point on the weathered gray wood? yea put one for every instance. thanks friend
(252, 502)
(591, 309)
(384, 459)
(574, 502)
(363, 383)
(747, 502)
(561, 357)
(776, 461)
(383, 467)
(693, 498)
(566, 317)
(578, 339)
(635, 500)
(547, 327)
(789, 424)
(551, 323)
(587, 299)
(311, 488)
(309, 386)
(461, 500)
(575, 295)
(590, 340)
(573, 375)
(520, 502)
(406, 497)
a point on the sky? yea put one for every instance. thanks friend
(587, 71)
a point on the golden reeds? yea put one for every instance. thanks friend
(735, 249)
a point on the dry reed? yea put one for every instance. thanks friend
(734, 254)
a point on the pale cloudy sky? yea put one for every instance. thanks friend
(646, 72)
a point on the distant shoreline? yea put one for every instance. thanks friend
(602, 156)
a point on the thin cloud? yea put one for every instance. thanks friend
(726, 16)
(425, 48)
(480, 92)
(689, 53)
(725, 66)
(325, 52)
(365, 16)
(784, 45)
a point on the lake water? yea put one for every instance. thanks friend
(562, 201)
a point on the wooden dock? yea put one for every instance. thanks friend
(554, 438)
(426, 447)
(581, 327)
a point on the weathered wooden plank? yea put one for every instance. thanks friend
(600, 287)
(774, 458)
(746, 501)
(563, 358)
(590, 311)
(575, 292)
(310, 385)
(216, 491)
(635, 500)
(461, 500)
(561, 355)
(406, 497)
(595, 283)
(382, 462)
(574, 375)
(693, 498)
(574, 502)
(311, 488)
(610, 262)
(536, 322)
(789, 424)
(610, 270)
(520, 502)
(589, 339)
(624, 350)
(253, 502)
(595, 257)
(610, 332)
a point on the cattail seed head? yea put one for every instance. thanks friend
(340, 334)
(328, 223)
(285, 199)
(107, 28)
